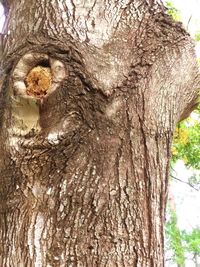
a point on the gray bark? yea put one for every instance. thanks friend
(84, 168)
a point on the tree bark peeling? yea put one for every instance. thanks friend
(84, 170)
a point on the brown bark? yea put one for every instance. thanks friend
(84, 168)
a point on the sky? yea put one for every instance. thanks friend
(187, 204)
(190, 16)
(187, 199)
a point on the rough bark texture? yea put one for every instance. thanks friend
(84, 169)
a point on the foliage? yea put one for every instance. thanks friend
(181, 242)
(173, 11)
(194, 180)
(174, 239)
(186, 143)
(186, 147)
(192, 241)
(197, 37)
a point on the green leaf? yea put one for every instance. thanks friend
(174, 238)
(192, 241)
(173, 11)
(186, 143)
(197, 37)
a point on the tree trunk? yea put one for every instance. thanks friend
(90, 95)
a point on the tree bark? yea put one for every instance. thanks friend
(84, 167)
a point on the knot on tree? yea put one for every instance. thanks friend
(38, 81)
(37, 75)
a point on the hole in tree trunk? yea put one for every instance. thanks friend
(39, 80)
(37, 75)
(44, 63)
